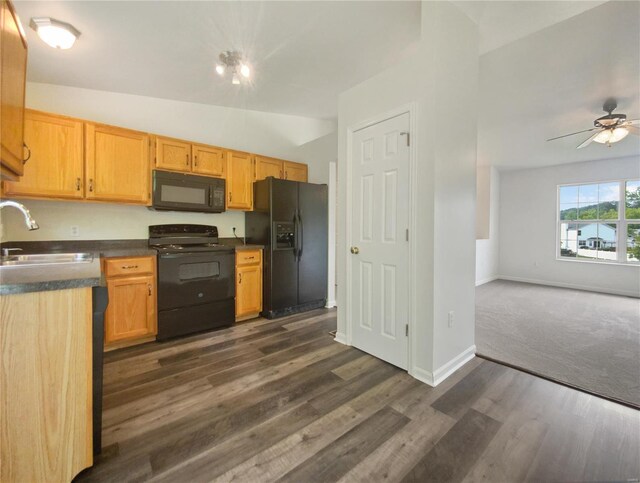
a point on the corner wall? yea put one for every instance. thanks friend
(487, 245)
(440, 81)
(528, 219)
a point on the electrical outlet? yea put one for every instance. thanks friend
(450, 319)
(75, 230)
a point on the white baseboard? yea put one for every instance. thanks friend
(486, 280)
(330, 304)
(453, 365)
(444, 371)
(340, 337)
(586, 288)
(422, 376)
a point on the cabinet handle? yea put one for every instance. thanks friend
(91, 184)
(149, 287)
(195, 160)
(250, 258)
(127, 267)
(286, 175)
(187, 160)
(77, 184)
(229, 195)
(240, 275)
(24, 145)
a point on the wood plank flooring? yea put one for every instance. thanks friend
(281, 401)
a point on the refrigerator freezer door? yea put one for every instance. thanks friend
(283, 289)
(313, 242)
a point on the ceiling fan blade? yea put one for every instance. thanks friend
(573, 134)
(634, 130)
(588, 141)
(634, 122)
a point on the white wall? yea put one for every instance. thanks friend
(487, 247)
(440, 80)
(528, 204)
(288, 137)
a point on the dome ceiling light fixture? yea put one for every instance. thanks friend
(57, 34)
(233, 62)
(610, 128)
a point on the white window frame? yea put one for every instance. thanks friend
(621, 223)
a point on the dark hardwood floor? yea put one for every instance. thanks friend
(281, 401)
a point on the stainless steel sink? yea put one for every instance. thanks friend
(45, 259)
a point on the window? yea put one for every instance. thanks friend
(600, 221)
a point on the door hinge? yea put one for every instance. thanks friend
(406, 330)
(408, 137)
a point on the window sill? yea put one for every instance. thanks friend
(598, 262)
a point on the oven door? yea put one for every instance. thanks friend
(187, 192)
(186, 279)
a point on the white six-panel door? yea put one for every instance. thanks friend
(379, 239)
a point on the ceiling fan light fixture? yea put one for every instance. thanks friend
(59, 35)
(235, 80)
(610, 136)
(245, 71)
(220, 69)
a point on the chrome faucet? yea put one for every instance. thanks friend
(31, 223)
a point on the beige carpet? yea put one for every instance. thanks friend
(584, 339)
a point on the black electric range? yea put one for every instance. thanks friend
(196, 279)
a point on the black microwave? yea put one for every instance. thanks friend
(187, 192)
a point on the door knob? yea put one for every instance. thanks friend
(355, 250)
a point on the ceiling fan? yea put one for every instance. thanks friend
(610, 128)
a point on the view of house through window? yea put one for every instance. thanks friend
(600, 221)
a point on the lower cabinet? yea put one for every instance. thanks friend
(248, 283)
(131, 315)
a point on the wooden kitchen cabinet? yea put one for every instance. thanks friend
(13, 75)
(239, 183)
(296, 171)
(46, 397)
(208, 160)
(172, 154)
(248, 283)
(117, 164)
(131, 315)
(55, 168)
(265, 167)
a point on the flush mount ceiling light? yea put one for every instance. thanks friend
(58, 35)
(233, 62)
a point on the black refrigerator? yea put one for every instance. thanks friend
(290, 219)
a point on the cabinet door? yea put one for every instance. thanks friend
(208, 160)
(239, 180)
(131, 312)
(55, 168)
(248, 290)
(173, 154)
(295, 171)
(117, 164)
(13, 69)
(265, 167)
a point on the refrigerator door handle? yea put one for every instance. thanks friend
(295, 235)
(300, 237)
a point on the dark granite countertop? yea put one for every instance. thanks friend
(239, 244)
(102, 248)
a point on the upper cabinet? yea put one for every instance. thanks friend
(173, 154)
(13, 69)
(265, 167)
(295, 171)
(73, 159)
(55, 168)
(176, 155)
(239, 180)
(117, 164)
(208, 160)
